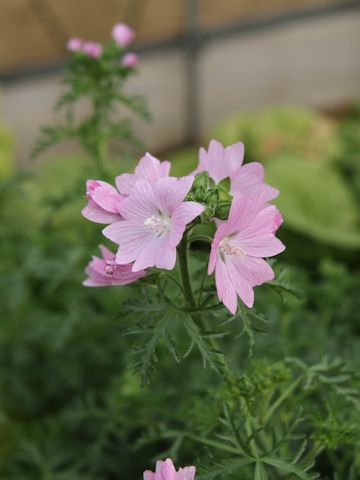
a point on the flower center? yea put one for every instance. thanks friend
(156, 224)
(233, 250)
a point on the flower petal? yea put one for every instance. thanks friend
(249, 179)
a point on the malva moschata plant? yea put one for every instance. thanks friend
(97, 73)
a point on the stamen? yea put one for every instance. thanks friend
(155, 224)
(228, 249)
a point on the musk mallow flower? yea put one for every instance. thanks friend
(238, 248)
(155, 216)
(130, 60)
(104, 271)
(149, 168)
(165, 470)
(103, 202)
(221, 162)
(123, 34)
(92, 49)
(75, 44)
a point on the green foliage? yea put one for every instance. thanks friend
(6, 151)
(316, 201)
(270, 393)
(282, 130)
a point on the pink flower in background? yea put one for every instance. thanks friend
(155, 217)
(75, 44)
(238, 249)
(221, 162)
(149, 168)
(130, 60)
(165, 470)
(103, 202)
(123, 34)
(92, 49)
(104, 271)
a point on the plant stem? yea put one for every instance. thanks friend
(282, 397)
(184, 270)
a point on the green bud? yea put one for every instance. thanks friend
(222, 210)
(201, 181)
(212, 196)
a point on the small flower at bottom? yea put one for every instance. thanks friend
(155, 217)
(104, 271)
(238, 248)
(165, 470)
(103, 202)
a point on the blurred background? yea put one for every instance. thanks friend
(282, 76)
(200, 60)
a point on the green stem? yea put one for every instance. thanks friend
(184, 271)
(189, 298)
(281, 399)
(205, 441)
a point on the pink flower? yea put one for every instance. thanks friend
(238, 249)
(221, 163)
(149, 168)
(75, 44)
(130, 60)
(155, 217)
(92, 49)
(104, 271)
(103, 202)
(165, 470)
(123, 34)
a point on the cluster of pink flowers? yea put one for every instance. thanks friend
(147, 214)
(165, 470)
(122, 34)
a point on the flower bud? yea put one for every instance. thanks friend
(123, 34)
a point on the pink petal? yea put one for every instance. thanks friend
(132, 238)
(170, 192)
(262, 245)
(156, 253)
(165, 470)
(243, 210)
(106, 253)
(96, 214)
(186, 473)
(107, 198)
(125, 183)
(255, 271)
(243, 287)
(141, 204)
(234, 157)
(185, 213)
(225, 289)
(249, 179)
(149, 475)
(212, 258)
(151, 169)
